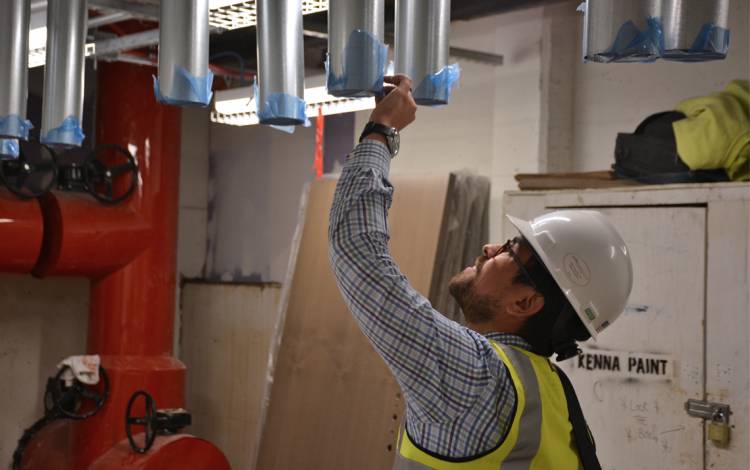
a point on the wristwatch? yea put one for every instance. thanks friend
(390, 133)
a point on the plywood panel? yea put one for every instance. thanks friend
(333, 403)
(225, 337)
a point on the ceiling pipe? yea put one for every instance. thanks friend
(695, 30)
(421, 49)
(14, 37)
(281, 78)
(356, 52)
(62, 107)
(621, 30)
(184, 77)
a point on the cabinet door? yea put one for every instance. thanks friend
(636, 409)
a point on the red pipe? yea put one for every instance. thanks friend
(132, 307)
(85, 238)
(132, 310)
(20, 233)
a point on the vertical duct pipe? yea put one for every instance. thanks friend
(622, 30)
(184, 77)
(356, 52)
(695, 30)
(421, 49)
(14, 53)
(62, 109)
(281, 65)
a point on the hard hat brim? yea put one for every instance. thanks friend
(525, 229)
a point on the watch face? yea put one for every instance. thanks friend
(394, 141)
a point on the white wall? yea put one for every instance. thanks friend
(614, 98)
(257, 176)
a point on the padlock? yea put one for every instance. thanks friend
(718, 430)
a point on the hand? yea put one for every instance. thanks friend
(397, 107)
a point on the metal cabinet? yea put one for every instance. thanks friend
(684, 334)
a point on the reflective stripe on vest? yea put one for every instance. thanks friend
(540, 433)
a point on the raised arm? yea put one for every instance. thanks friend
(443, 368)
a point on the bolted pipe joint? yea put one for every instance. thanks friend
(357, 56)
(279, 95)
(14, 53)
(62, 109)
(184, 77)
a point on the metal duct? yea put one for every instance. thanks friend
(184, 77)
(421, 49)
(621, 30)
(62, 109)
(356, 52)
(695, 29)
(14, 54)
(281, 79)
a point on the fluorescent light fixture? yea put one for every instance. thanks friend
(236, 107)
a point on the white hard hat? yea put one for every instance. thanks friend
(587, 258)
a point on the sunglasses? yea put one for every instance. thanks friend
(507, 247)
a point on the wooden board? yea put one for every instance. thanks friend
(579, 180)
(334, 403)
(225, 337)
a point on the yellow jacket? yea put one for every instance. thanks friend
(716, 131)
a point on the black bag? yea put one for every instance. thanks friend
(649, 155)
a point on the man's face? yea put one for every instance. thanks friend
(486, 289)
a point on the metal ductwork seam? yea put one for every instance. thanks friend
(645, 30)
(280, 88)
(184, 77)
(357, 55)
(695, 30)
(421, 49)
(14, 73)
(62, 108)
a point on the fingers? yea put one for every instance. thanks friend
(400, 80)
(386, 90)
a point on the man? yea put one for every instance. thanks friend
(483, 394)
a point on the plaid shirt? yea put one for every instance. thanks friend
(459, 396)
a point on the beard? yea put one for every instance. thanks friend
(476, 308)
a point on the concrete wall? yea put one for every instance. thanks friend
(256, 179)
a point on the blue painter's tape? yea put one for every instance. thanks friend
(15, 126)
(435, 89)
(364, 59)
(712, 43)
(187, 90)
(280, 109)
(67, 133)
(9, 149)
(633, 44)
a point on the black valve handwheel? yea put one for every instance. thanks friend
(68, 401)
(148, 421)
(102, 178)
(33, 173)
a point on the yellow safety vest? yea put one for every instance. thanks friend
(540, 437)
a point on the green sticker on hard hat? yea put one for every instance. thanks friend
(590, 313)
